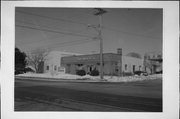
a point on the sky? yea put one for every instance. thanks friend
(66, 29)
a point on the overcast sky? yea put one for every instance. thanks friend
(66, 29)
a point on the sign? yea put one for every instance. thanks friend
(86, 58)
(61, 69)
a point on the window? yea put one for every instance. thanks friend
(125, 66)
(79, 65)
(47, 68)
(55, 68)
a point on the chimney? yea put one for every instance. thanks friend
(119, 51)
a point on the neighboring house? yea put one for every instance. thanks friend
(153, 63)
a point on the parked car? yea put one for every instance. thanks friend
(140, 73)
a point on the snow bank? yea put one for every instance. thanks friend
(48, 75)
(94, 78)
(132, 78)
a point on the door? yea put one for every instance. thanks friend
(134, 68)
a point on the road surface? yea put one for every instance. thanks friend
(41, 95)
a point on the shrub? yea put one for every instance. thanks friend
(19, 70)
(138, 73)
(81, 72)
(94, 73)
(20, 61)
(29, 70)
(127, 74)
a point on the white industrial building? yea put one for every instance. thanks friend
(52, 64)
(65, 62)
(113, 63)
(131, 64)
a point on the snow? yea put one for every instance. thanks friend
(93, 78)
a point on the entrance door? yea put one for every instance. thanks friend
(90, 68)
(134, 66)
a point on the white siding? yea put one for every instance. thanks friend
(130, 61)
(54, 60)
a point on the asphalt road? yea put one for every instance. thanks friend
(98, 96)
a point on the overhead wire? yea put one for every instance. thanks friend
(139, 35)
(71, 43)
(73, 34)
(85, 24)
(63, 35)
(30, 23)
(126, 32)
(52, 18)
(77, 42)
(53, 31)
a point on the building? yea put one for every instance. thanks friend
(113, 63)
(131, 64)
(52, 64)
(153, 63)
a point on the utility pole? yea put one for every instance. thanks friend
(99, 13)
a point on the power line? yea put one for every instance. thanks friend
(71, 43)
(85, 24)
(126, 32)
(53, 31)
(76, 41)
(59, 43)
(104, 27)
(26, 23)
(52, 18)
(63, 43)
(44, 26)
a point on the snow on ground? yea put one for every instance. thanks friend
(94, 78)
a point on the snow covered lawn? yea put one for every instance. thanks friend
(93, 78)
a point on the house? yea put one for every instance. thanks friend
(153, 63)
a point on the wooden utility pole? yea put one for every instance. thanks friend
(99, 13)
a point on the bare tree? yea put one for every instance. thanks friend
(36, 59)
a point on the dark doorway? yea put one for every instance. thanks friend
(134, 66)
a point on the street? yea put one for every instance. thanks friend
(41, 95)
